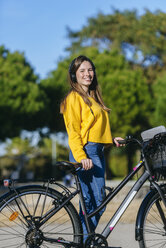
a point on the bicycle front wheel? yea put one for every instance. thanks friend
(26, 219)
(154, 224)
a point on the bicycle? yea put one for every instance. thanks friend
(42, 216)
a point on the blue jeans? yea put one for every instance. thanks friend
(92, 183)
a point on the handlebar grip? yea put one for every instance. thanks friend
(122, 142)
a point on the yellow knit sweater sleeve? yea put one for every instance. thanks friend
(72, 118)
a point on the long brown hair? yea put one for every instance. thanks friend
(93, 88)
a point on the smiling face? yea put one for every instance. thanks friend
(85, 75)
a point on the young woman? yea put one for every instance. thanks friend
(87, 123)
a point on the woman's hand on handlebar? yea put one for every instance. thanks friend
(118, 141)
(87, 164)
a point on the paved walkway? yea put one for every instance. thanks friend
(122, 236)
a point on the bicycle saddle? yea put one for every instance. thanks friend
(68, 166)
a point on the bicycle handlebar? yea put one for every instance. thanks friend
(122, 142)
(128, 140)
(158, 139)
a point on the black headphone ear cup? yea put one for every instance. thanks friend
(73, 77)
(72, 74)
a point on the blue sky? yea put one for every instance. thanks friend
(38, 27)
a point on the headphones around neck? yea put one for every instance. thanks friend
(72, 73)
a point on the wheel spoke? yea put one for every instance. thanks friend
(21, 212)
(154, 228)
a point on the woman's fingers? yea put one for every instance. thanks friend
(87, 164)
(116, 141)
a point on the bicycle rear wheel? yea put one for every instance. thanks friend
(21, 214)
(154, 224)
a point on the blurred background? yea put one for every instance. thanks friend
(38, 39)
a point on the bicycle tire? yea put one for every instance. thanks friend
(153, 231)
(27, 206)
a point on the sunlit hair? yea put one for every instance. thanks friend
(93, 88)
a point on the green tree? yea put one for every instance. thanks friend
(159, 115)
(55, 87)
(126, 93)
(140, 38)
(17, 146)
(126, 31)
(22, 157)
(23, 103)
(16, 157)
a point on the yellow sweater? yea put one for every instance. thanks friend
(84, 125)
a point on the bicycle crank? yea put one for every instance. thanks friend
(96, 241)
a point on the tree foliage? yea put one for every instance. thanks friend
(159, 115)
(126, 92)
(55, 87)
(23, 103)
(21, 156)
(144, 37)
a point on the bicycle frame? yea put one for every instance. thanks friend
(127, 200)
(125, 203)
(119, 212)
(67, 196)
